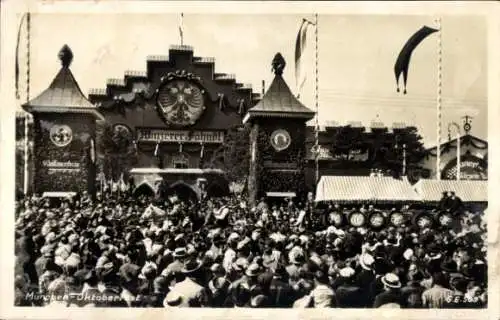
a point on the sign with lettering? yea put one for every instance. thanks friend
(62, 153)
(182, 136)
(53, 166)
(471, 168)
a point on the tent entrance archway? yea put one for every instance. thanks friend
(182, 191)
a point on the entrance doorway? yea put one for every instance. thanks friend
(183, 191)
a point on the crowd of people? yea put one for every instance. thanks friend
(137, 251)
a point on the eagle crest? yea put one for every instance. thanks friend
(278, 64)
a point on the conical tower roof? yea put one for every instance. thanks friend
(64, 94)
(278, 101)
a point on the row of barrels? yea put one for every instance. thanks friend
(378, 219)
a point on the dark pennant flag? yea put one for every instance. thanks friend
(403, 61)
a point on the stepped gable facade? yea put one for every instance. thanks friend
(177, 114)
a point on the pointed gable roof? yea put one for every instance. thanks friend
(64, 94)
(278, 101)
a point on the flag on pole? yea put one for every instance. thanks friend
(403, 60)
(181, 28)
(156, 149)
(92, 151)
(23, 18)
(300, 48)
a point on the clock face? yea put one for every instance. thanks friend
(61, 135)
(123, 130)
(280, 139)
(181, 102)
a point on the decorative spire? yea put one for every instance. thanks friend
(66, 56)
(278, 64)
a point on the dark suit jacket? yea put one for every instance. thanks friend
(281, 294)
(349, 296)
(387, 297)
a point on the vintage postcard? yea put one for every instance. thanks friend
(301, 159)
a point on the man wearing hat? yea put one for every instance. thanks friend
(322, 294)
(281, 294)
(348, 294)
(412, 293)
(297, 259)
(173, 272)
(437, 296)
(391, 294)
(230, 254)
(219, 289)
(191, 289)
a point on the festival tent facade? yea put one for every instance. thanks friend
(364, 188)
(471, 191)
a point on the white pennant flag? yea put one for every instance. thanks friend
(301, 69)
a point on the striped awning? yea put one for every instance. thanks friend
(467, 190)
(364, 188)
(56, 194)
(281, 194)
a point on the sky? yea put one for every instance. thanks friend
(356, 59)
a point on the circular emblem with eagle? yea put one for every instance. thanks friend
(280, 139)
(181, 102)
(61, 135)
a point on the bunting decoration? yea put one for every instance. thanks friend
(300, 47)
(403, 60)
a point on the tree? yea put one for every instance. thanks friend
(236, 153)
(116, 150)
(385, 149)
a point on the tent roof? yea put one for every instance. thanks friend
(359, 188)
(467, 190)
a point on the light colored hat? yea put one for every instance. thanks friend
(233, 237)
(73, 260)
(347, 272)
(391, 280)
(339, 233)
(252, 270)
(243, 243)
(366, 261)
(172, 300)
(51, 236)
(408, 254)
(180, 252)
(240, 264)
(304, 239)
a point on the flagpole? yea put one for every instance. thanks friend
(181, 28)
(438, 102)
(26, 117)
(316, 97)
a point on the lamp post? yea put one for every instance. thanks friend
(457, 127)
